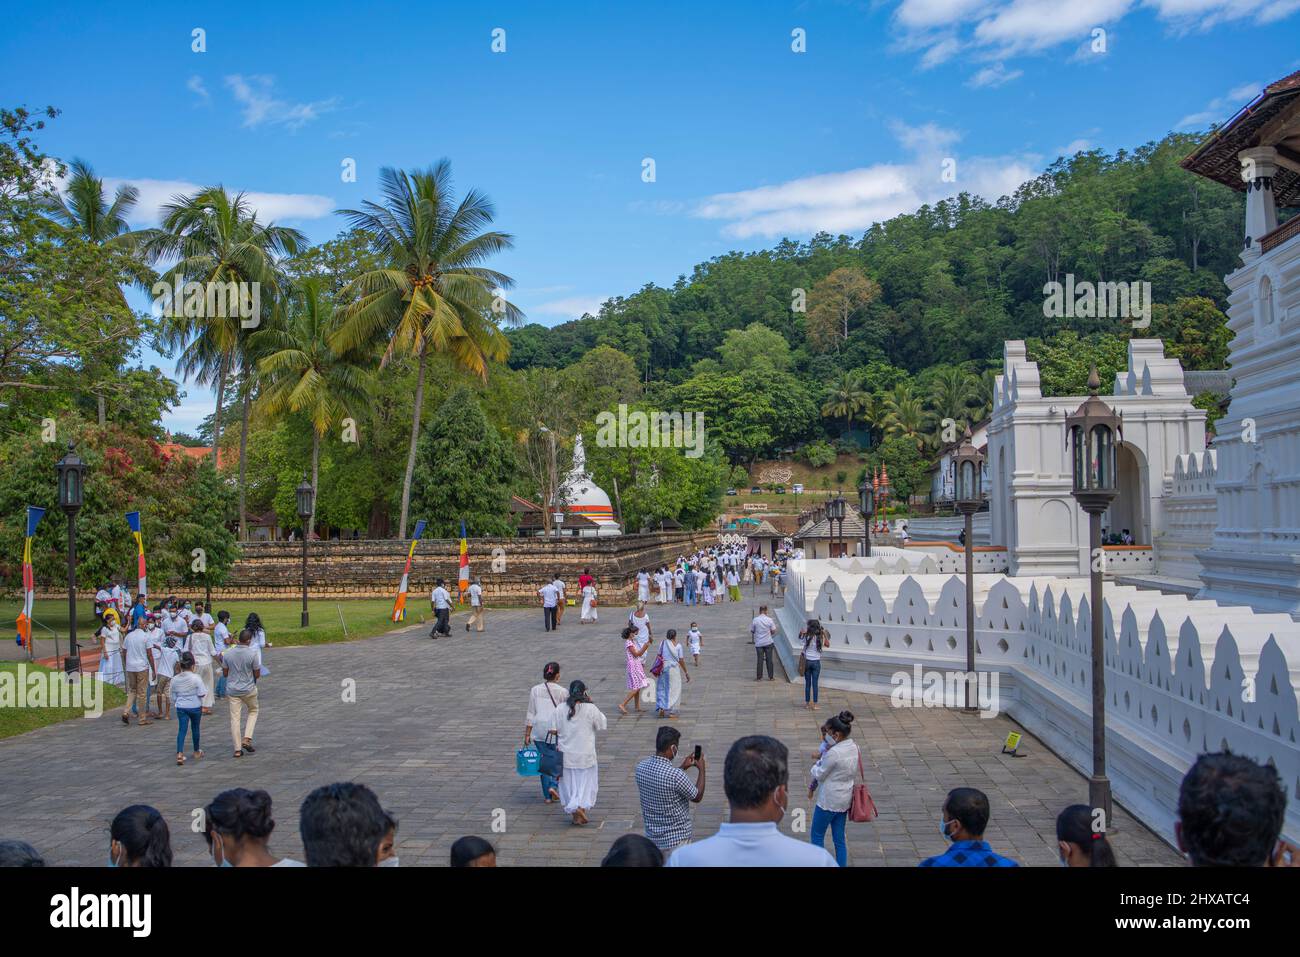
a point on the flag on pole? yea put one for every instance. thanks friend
(399, 606)
(133, 519)
(34, 516)
(463, 581)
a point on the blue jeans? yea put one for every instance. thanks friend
(187, 718)
(835, 820)
(220, 689)
(690, 596)
(549, 782)
(811, 672)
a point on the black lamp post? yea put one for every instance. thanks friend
(866, 499)
(967, 496)
(305, 495)
(835, 513)
(1095, 432)
(71, 478)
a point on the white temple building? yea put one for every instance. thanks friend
(1201, 622)
(580, 495)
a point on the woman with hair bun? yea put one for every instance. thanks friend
(833, 777)
(187, 690)
(238, 824)
(543, 700)
(577, 725)
(1080, 845)
(138, 837)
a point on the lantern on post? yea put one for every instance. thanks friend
(968, 495)
(1095, 433)
(71, 474)
(305, 495)
(866, 504)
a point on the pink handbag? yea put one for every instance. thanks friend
(862, 808)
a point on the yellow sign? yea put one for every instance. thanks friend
(1012, 742)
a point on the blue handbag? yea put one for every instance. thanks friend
(528, 760)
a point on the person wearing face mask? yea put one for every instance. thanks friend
(756, 779)
(342, 825)
(388, 846)
(964, 817)
(138, 837)
(1076, 841)
(238, 824)
(667, 793)
(834, 775)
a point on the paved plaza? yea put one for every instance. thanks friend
(435, 725)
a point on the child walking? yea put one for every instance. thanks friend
(693, 638)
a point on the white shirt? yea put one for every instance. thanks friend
(578, 734)
(642, 626)
(103, 597)
(693, 636)
(202, 648)
(440, 597)
(220, 636)
(187, 690)
(475, 594)
(209, 622)
(112, 639)
(673, 654)
(763, 628)
(751, 845)
(550, 594)
(136, 645)
(165, 659)
(836, 773)
(559, 587)
(541, 709)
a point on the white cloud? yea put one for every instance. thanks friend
(1074, 146)
(991, 30)
(1221, 107)
(195, 86)
(571, 308)
(851, 201)
(994, 76)
(271, 207)
(261, 106)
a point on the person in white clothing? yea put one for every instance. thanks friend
(642, 586)
(110, 651)
(476, 606)
(693, 638)
(204, 651)
(756, 779)
(550, 596)
(254, 625)
(834, 775)
(543, 701)
(440, 602)
(187, 691)
(589, 613)
(577, 723)
(220, 640)
(763, 630)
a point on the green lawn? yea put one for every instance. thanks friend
(364, 618)
(14, 720)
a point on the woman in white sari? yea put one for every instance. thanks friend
(577, 723)
(588, 603)
(668, 686)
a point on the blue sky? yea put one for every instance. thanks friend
(751, 141)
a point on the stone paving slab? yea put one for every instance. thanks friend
(434, 729)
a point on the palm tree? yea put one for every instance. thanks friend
(845, 398)
(84, 208)
(904, 414)
(432, 294)
(301, 373)
(955, 391)
(213, 237)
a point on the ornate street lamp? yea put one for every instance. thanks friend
(866, 501)
(968, 495)
(71, 483)
(882, 496)
(558, 518)
(835, 513)
(306, 495)
(1095, 432)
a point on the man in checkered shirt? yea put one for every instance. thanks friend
(667, 793)
(965, 815)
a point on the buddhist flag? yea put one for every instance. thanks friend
(133, 519)
(463, 581)
(34, 516)
(399, 606)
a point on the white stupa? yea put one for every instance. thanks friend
(579, 495)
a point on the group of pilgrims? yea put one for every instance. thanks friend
(709, 576)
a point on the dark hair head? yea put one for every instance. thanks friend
(628, 632)
(252, 622)
(755, 767)
(245, 636)
(438, 583)
(970, 808)
(341, 825)
(671, 634)
(186, 661)
(666, 737)
(223, 616)
(196, 625)
(1074, 826)
(1231, 810)
(390, 822)
(19, 854)
(841, 724)
(239, 813)
(633, 850)
(577, 695)
(467, 850)
(144, 837)
(551, 671)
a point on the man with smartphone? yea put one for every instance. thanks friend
(667, 793)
